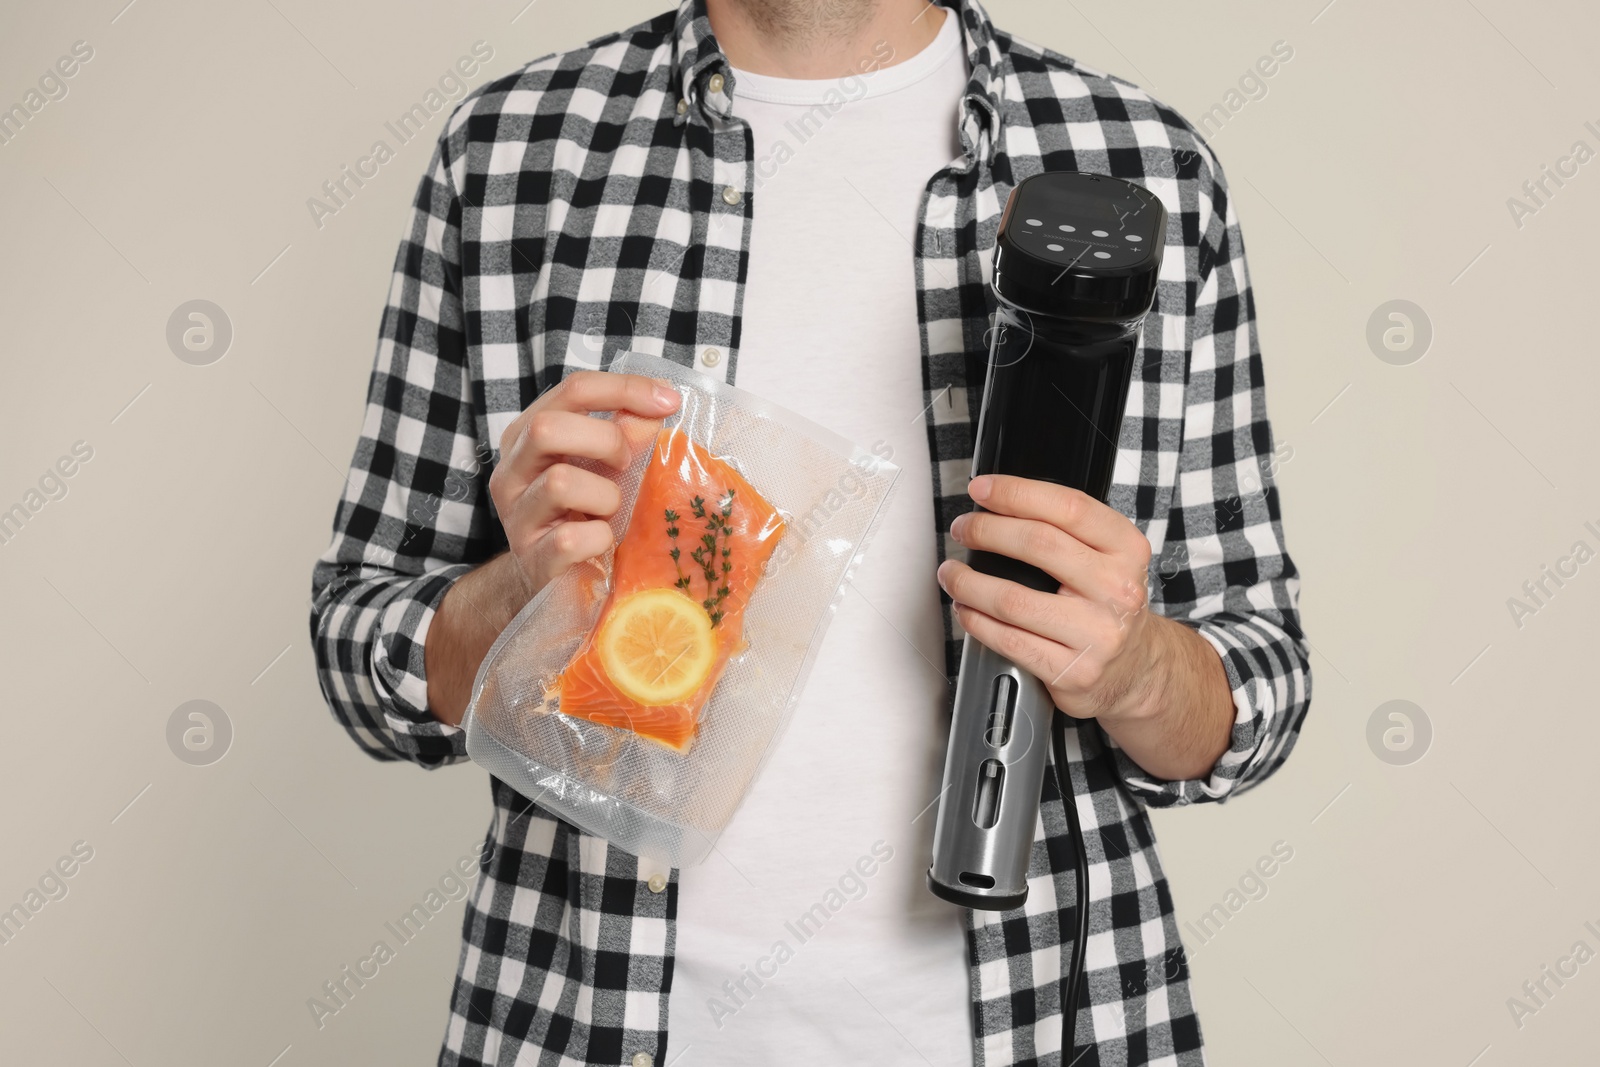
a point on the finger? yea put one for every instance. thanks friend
(1045, 660)
(552, 436)
(565, 545)
(559, 492)
(1066, 559)
(639, 434)
(582, 392)
(1049, 615)
(1095, 524)
(586, 391)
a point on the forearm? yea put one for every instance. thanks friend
(471, 616)
(1177, 717)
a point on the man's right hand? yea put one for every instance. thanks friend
(555, 514)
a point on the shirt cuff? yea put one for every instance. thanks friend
(1254, 712)
(400, 675)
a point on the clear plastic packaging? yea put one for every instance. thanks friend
(680, 654)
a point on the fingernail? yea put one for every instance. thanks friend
(666, 395)
(978, 488)
(940, 573)
(957, 526)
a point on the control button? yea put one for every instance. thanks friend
(1102, 255)
(986, 794)
(657, 883)
(1135, 238)
(715, 84)
(730, 196)
(711, 357)
(1033, 222)
(1001, 711)
(1064, 228)
(1053, 248)
(683, 106)
(1100, 233)
(643, 1059)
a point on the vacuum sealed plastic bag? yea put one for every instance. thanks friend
(638, 696)
(656, 653)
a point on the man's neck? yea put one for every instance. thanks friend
(820, 38)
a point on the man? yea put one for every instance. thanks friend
(801, 196)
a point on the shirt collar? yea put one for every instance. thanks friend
(697, 56)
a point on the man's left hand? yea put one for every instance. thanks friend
(1090, 641)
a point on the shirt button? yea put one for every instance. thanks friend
(715, 84)
(711, 357)
(683, 106)
(643, 1059)
(657, 883)
(730, 195)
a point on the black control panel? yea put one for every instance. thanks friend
(1086, 239)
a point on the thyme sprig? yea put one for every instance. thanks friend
(672, 532)
(714, 555)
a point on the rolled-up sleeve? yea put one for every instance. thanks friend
(414, 514)
(1223, 568)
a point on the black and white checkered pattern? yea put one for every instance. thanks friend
(598, 200)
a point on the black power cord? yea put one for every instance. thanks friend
(1074, 988)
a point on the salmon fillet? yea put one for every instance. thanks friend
(699, 528)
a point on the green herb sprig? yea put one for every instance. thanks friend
(672, 532)
(714, 556)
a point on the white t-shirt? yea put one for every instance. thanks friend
(809, 936)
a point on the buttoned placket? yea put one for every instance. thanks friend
(709, 99)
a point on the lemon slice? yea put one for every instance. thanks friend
(656, 646)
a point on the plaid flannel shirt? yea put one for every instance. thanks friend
(599, 200)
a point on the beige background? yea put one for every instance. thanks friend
(1418, 500)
